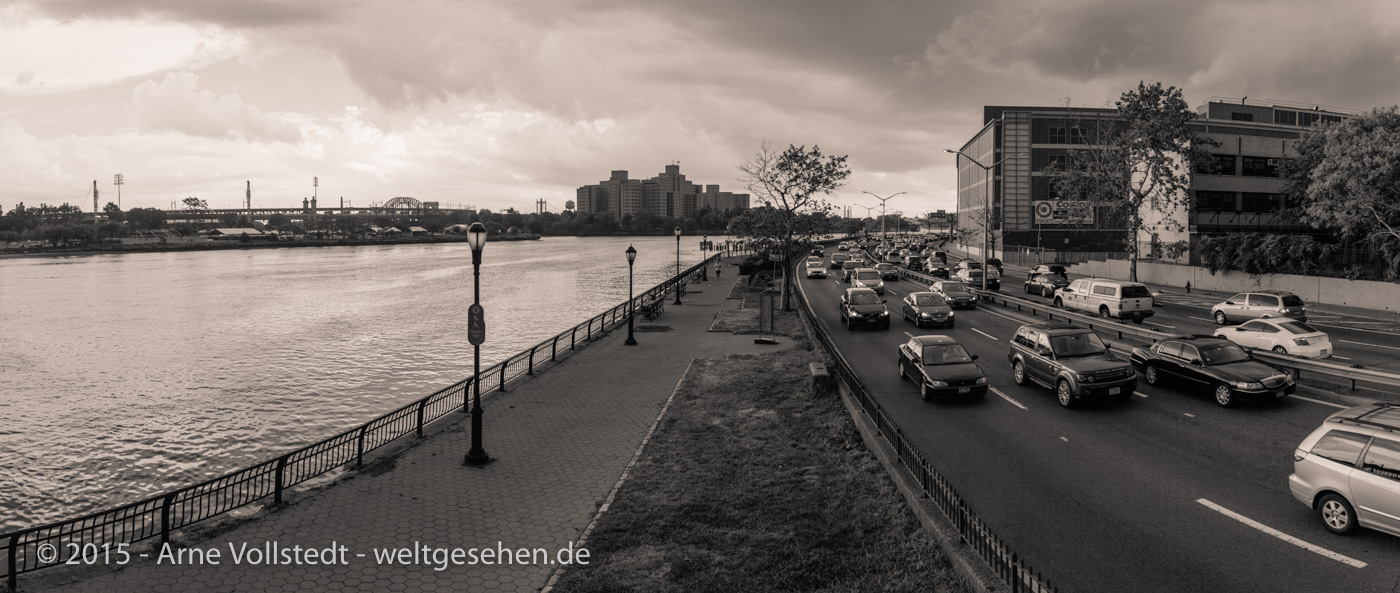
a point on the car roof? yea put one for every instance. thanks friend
(1383, 415)
(934, 339)
(1196, 338)
(1273, 292)
(861, 289)
(1057, 328)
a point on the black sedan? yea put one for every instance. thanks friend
(887, 271)
(1046, 284)
(927, 307)
(956, 293)
(941, 367)
(861, 306)
(1046, 269)
(1216, 365)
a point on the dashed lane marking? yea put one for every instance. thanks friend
(1319, 550)
(1160, 325)
(1064, 439)
(908, 334)
(1370, 345)
(1008, 398)
(1191, 415)
(985, 334)
(1318, 401)
(1202, 319)
(1139, 394)
(1340, 357)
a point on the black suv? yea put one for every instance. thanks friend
(1071, 360)
(1214, 363)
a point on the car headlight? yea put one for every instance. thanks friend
(1249, 385)
(885, 313)
(938, 383)
(1084, 378)
(981, 380)
(951, 314)
(926, 315)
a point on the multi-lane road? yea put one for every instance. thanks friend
(1165, 492)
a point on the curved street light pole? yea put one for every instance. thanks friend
(987, 204)
(883, 237)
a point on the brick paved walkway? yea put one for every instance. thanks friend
(561, 440)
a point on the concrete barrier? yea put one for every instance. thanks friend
(1381, 296)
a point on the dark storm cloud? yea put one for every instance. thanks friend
(228, 13)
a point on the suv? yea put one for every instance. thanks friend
(1347, 470)
(1209, 364)
(1260, 304)
(1107, 298)
(1071, 360)
(888, 271)
(1046, 270)
(868, 278)
(839, 258)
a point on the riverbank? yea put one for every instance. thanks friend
(235, 244)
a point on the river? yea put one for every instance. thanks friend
(126, 375)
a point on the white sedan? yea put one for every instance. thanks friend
(1281, 335)
(816, 270)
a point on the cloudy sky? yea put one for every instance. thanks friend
(498, 104)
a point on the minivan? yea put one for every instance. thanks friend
(1259, 304)
(1107, 298)
(1348, 470)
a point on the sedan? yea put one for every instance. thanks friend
(1047, 270)
(1046, 284)
(861, 306)
(1284, 336)
(816, 270)
(928, 307)
(848, 271)
(942, 367)
(839, 258)
(956, 293)
(936, 269)
(1212, 365)
(887, 271)
(868, 278)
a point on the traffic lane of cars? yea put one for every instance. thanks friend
(970, 437)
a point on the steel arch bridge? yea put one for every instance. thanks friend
(404, 202)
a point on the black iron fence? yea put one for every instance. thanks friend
(105, 532)
(1014, 571)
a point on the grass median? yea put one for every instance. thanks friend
(750, 484)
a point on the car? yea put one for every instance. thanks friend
(1046, 284)
(935, 269)
(1262, 304)
(848, 270)
(973, 277)
(941, 255)
(818, 251)
(843, 247)
(956, 293)
(1282, 335)
(1046, 270)
(816, 270)
(927, 307)
(839, 258)
(868, 278)
(816, 259)
(888, 271)
(1216, 365)
(892, 257)
(1346, 470)
(860, 259)
(942, 368)
(1071, 360)
(967, 264)
(861, 306)
(1107, 298)
(913, 262)
(995, 263)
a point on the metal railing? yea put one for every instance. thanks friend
(161, 514)
(1011, 568)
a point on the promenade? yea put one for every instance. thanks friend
(561, 440)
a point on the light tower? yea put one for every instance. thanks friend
(119, 180)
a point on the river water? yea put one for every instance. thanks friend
(122, 376)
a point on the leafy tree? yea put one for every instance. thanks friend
(278, 220)
(1347, 178)
(114, 212)
(1135, 167)
(146, 218)
(9, 237)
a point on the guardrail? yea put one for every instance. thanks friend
(161, 514)
(1353, 375)
(1015, 572)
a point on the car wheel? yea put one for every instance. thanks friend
(1137, 319)
(1103, 312)
(1224, 396)
(923, 391)
(1151, 374)
(1018, 373)
(1045, 292)
(850, 323)
(1280, 350)
(1220, 318)
(1059, 303)
(1063, 393)
(903, 374)
(1336, 514)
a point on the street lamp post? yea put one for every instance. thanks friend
(476, 334)
(884, 238)
(986, 206)
(678, 265)
(631, 301)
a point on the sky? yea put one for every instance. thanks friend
(499, 104)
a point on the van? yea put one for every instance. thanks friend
(1107, 298)
(1348, 470)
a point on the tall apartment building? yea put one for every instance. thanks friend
(1242, 193)
(669, 194)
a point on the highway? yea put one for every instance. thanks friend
(1153, 494)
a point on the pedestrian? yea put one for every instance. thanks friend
(718, 267)
(1188, 287)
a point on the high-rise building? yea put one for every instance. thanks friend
(669, 195)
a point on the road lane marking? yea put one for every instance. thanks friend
(1319, 550)
(1139, 394)
(1202, 319)
(1064, 439)
(1160, 325)
(1365, 344)
(1191, 415)
(1341, 357)
(908, 334)
(1356, 329)
(1318, 401)
(984, 333)
(1008, 398)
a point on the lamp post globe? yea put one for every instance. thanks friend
(631, 301)
(476, 334)
(678, 265)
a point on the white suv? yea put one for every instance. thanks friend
(1348, 470)
(1107, 298)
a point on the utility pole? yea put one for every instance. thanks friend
(248, 199)
(94, 203)
(883, 237)
(118, 180)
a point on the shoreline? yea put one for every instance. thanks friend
(234, 244)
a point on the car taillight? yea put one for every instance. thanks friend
(1300, 341)
(1283, 310)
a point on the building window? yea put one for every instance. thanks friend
(1242, 116)
(1218, 164)
(1331, 119)
(1215, 201)
(1059, 135)
(1308, 119)
(1076, 136)
(1258, 202)
(1258, 166)
(1286, 117)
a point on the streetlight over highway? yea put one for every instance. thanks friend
(883, 238)
(987, 204)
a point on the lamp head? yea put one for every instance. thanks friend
(476, 236)
(678, 232)
(631, 254)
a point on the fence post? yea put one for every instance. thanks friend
(421, 403)
(573, 337)
(503, 374)
(589, 335)
(531, 369)
(467, 394)
(12, 582)
(165, 517)
(360, 447)
(277, 490)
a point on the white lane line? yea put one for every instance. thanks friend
(1191, 415)
(1318, 401)
(1008, 398)
(1160, 325)
(1139, 394)
(1319, 550)
(1371, 345)
(1341, 357)
(908, 334)
(984, 333)
(1356, 329)
(1064, 439)
(891, 291)
(1202, 319)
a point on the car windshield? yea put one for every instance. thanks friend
(1057, 279)
(1082, 344)
(944, 354)
(884, 267)
(1223, 353)
(865, 298)
(929, 300)
(1298, 327)
(863, 275)
(1292, 300)
(953, 287)
(1138, 291)
(850, 265)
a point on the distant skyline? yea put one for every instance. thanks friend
(497, 105)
